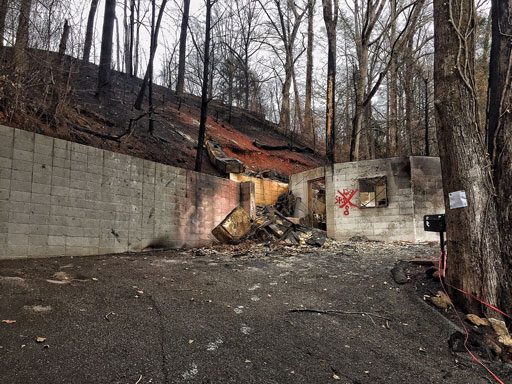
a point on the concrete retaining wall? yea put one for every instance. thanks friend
(63, 198)
(414, 189)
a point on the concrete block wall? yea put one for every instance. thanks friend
(391, 223)
(62, 198)
(414, 188)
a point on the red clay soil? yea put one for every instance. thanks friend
(176, 119)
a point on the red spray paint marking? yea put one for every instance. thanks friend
(344, 200)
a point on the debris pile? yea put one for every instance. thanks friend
(285, 203)
(270, 225)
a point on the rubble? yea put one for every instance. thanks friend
(272, 225)
(234, 227)
(286, 203)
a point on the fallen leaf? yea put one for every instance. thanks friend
(442, 300)
(476, 320)
(499, 327)
(40, 339)
(8, 321)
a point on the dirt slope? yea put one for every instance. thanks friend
(58, 99)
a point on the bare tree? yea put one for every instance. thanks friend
(309, 133)
(204, 88)
(180, 85)
(367, 16)
(105, 70)
(289, 18)
(89, 30)
(155, 28)
(331, 11)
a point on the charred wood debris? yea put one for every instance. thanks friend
(272, 224)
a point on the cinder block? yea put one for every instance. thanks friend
(61, 173)
(17, 239)
(19, 196)
(59, 191)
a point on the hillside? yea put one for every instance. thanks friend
(57, 98)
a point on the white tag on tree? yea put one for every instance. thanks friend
(458, 199)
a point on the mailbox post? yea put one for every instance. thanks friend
(437, 223)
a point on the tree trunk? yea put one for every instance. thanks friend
(500, 136)
(64, 38)
(473, 260)
(392, 89)
(105, 70)
(132, 36)
(118, 46)
(135, 53)
(331, 20)
(204, 87)
(180, 84)
(357, 121)
(409, 98)
(308, 111)
(427, 118)
(4, 6)
(298, 109)
(89, 30)
(153, 45)
(128, 26)
(21, 44)
(284, 114)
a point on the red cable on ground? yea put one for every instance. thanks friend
(466, 337)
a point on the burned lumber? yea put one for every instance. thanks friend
(287, 147)
(221, 161)
(234, 227)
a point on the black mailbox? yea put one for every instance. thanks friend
(434, 223)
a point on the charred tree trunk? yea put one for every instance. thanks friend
(308, 110)
(204, 87)
(89, 30)
(473, 261)
(500, 135)
(105, 70)
(154, 44)
(180, 84)
(135, 53)
(21, 44)
(331, 11)
(129, 61)
(154, 37)
(64, 38)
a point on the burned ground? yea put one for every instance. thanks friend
(57, 97)
(226, 315)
